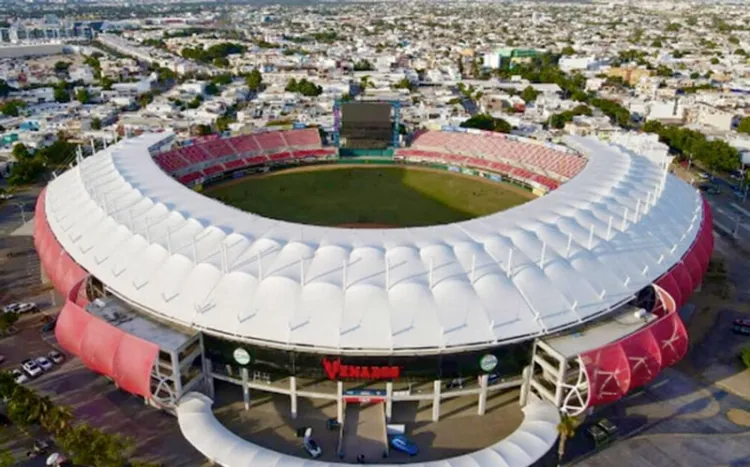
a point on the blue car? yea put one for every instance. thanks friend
(401, 443)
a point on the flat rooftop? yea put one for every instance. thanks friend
(119, 314)
(600, 333)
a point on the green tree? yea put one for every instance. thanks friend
(254, 80)
(27, 171)
(7, 459)
(568, 50)
(145, 99)
(96, 123)
(566, 429)
(12, 108)
(529, 94)
(733, 40)
(222, 123)
(363, 65)
(61, 93)
(695, 75)
(488, 123)
(673, 27)
(202, 130)
(714, 61)
(211, 89)
(106, 83)
(222, 80)
(83, 96)
(7, 320)
(744, 126)
(404, 84)
(62, 67)
(4, 88)
(21, 152)
(745, 356)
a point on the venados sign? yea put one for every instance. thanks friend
(336, 370)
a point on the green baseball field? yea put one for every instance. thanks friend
(368, 196)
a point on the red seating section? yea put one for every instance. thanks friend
(275, 145)
(494, 146)
(517, 173)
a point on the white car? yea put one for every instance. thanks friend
(310, 445)
(19, 376)
(56, 356)
(6, 196)
(44, 363)
(31, 368)
(20, 308)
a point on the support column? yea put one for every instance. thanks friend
(340, 401)
(388, 401)
(436, 385)
(293, 395)
(207, 370)
(525, 383)
(483, 380)
(176, 375)
(245, 388)
(559, 382)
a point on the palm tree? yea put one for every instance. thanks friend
(57, 419)
(7, 385)
(567, 429)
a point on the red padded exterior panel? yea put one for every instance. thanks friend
(672, 338)
(608, 373)
(132, 366)
(644, 357)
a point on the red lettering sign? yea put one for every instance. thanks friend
(335, 370)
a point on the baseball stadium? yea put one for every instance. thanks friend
(461, 264)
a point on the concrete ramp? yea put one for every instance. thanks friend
(364, 433)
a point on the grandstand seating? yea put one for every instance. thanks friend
(489, 146)
(171, 161)
(214, 169)
(530, 163)
(194, 154)
(269, 141)
(218, 148)
(302, 138)
(189, 178)
(244, 144)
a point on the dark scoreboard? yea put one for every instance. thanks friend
(366, 125)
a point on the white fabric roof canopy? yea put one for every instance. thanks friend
(532, 439)
(191, 259)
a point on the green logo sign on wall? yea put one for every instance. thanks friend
(488, 363)
(241, 356)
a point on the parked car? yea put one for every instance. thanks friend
(742, 322)
(2, 358)
(704, 176)
(45, 364)
(31, 368)
(56, 356)
(19, 376)
(310, 445)
(21, 308)
(745, 330)
(403, 444)
(50, 326)
(5, 196)
(710, 189)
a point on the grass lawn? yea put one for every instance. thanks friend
(395, 196)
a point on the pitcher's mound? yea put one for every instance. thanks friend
(365, 225)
